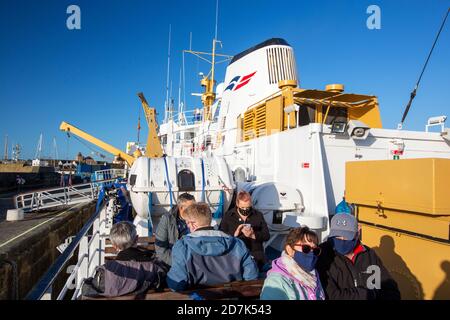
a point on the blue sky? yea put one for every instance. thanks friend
(90, 77)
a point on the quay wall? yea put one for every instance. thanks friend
(27, 259)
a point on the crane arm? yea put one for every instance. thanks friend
(99, 143)
(153, 148)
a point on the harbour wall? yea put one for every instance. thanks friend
(27, 259)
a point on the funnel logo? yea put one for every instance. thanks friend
(238, 82)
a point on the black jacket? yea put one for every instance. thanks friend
(343, 280)
(231, 220)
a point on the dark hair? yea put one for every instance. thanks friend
(185, 197)
(301, 233)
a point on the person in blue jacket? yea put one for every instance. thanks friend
(207, 256)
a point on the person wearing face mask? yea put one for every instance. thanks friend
(247, 224)
(346, 267)
(293, 275)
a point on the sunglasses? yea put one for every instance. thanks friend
(307, 249)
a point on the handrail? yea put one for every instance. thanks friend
(49, 277)
(57, 196)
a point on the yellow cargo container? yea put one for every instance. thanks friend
(403, 207)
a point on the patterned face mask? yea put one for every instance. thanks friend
(245, 211)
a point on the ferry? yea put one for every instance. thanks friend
(300, 152)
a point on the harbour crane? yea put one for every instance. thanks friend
(67, 127)
(153, 148)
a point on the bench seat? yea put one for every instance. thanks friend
(241, 290)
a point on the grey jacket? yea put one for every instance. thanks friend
(166, 235)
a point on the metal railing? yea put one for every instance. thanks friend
(90, 242)
(108, 174)
(68, 195)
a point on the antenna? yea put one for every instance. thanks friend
(6, 147)
(168, 76)
(217, 18)
(171, 102)
(413, 93)
(184, 85)
(179, 97)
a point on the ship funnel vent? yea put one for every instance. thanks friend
(335, 87)
(281, 64)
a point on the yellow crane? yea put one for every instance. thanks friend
(153, 148)
(101, 144)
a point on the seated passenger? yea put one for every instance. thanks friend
(171, 228)
(247, 224)
(135, 270)
(293, 275)
(207, 256)
(350, 270)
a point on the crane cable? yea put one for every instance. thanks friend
(413, 93)
(96, 151)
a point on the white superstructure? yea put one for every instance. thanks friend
(316, 133)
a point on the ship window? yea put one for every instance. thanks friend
(336, 114)
(133, 179)
(164, 139)
(186, 180)
(307, 115)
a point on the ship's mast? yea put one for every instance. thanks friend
(208, 81)
(55, 148)
(180, 103)
(167, 104)
(39, 148)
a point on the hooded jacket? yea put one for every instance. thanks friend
(209, 257)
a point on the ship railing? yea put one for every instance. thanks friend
(217, 208)
(67, 195)
(188, 117)
(90, 243)
(99, 176)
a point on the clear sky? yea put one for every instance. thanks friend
(90, 77)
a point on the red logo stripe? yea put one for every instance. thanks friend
(241, 84)
(248, 76)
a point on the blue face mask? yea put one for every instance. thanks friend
(307, 261)
(343, 246)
